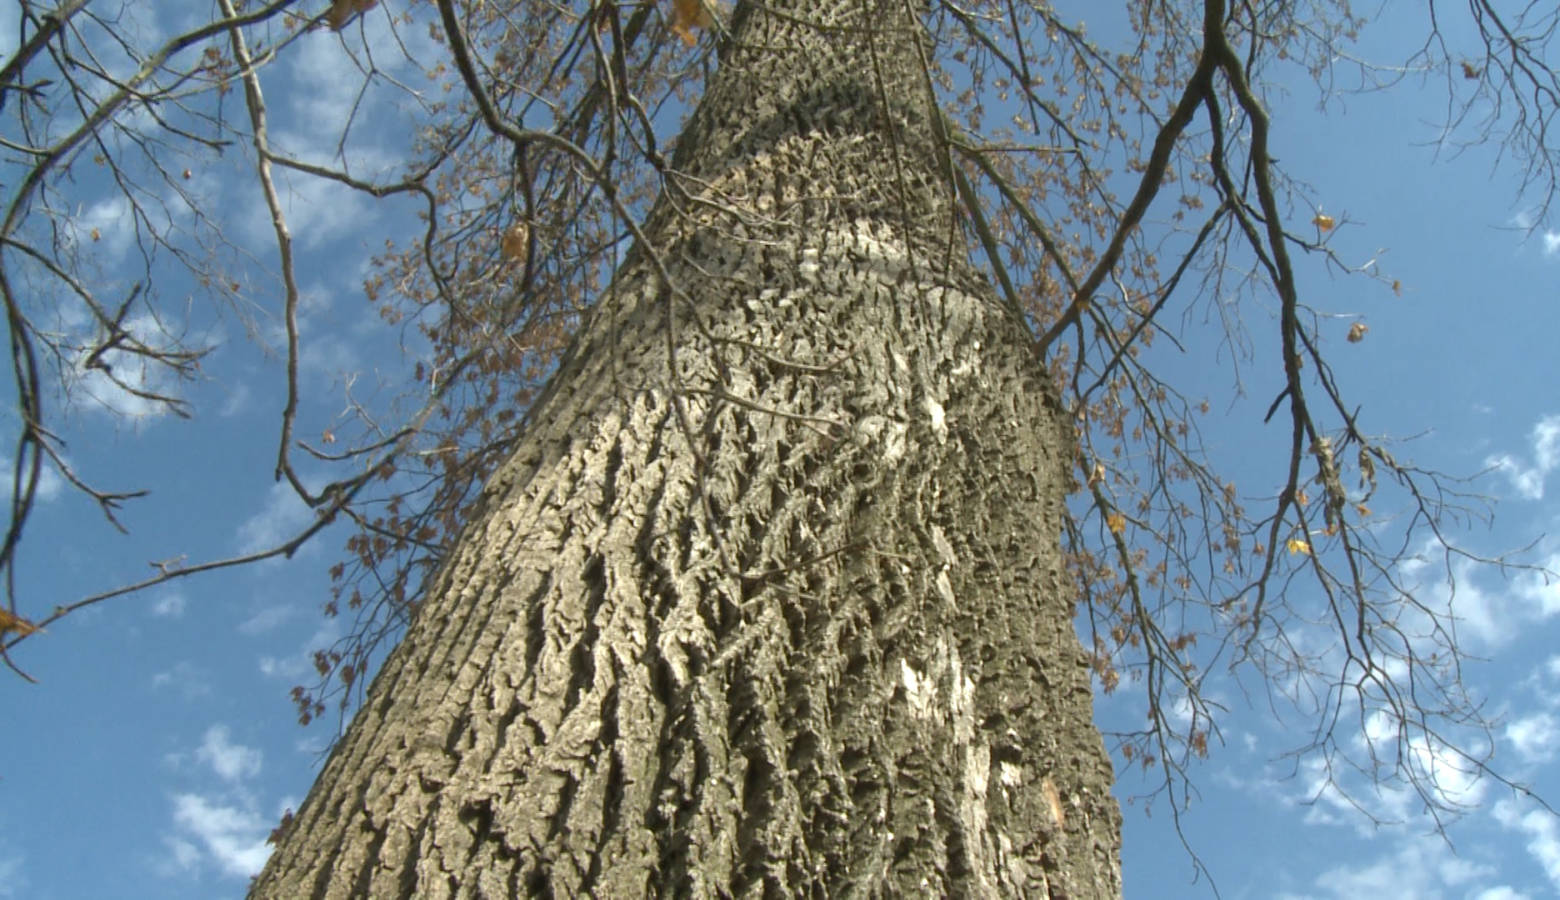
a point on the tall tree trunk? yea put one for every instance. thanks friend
(770, 599)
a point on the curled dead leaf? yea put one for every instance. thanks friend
(1323, 222)
(342, 11)
(10, 621)
(688, 15)
(1357, 332)
(512, 244)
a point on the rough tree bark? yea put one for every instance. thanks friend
(769, 601)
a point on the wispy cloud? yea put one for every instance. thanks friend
(1379, 775)
(222, 827)
(1499, 893)
(1419, 866)
(300, 665)
(124, 382)
(188, 679)
(1486, 615)
(170, 604)
(108, 226)
(1527, 476)
(1542, 831)
(49, 481)
(1534, 737)
(1550, 240)
(13, 883)
(282, 515)
(231, 761)
(267, 619)
(183, 856)
(233, 836)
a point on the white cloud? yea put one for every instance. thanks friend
(1538, 593)
(1485, 617)
(183, 855)
(1527, 482)
(1528, 479)
(229, 760)
(1432, 763)
(222, 828)
(267, 619)
(300, 665)
(1423, 867)
(12, 882)
(1480, 614)
(1543, 833)
(170, 605)
(282, 515)
(1534, 737)
(238, 400)
(108, 226)
(234, 837)
(190, 680)
(134, 375)
(316, 211)
(1546, 442)
(1525, 220)
(50, 484)
(1499, 893)
(1379, 776)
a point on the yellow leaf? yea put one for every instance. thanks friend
(1323, 222)
(10, 621)
(1357, 332)
(1302, 497)
(1298, 545)
(1397, 287)
(1362, 509)
(95, 235)
(688, 15)
(1116, 522)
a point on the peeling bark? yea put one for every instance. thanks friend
(769, 601)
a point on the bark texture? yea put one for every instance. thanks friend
(769, 602)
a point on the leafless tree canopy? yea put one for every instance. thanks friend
(531, 138)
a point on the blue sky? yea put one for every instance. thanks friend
(160, 739)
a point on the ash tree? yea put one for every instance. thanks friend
(779, 411)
